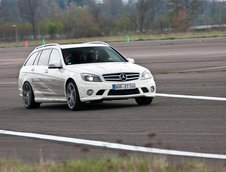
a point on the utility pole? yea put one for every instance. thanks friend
(16, 32)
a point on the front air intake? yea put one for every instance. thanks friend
(123, 92)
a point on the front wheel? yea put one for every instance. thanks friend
(28, 97)
(144, 100)
(73, 100)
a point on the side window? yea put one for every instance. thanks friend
(55, 57)
(44, 58)
(31, 59)
(37, 58)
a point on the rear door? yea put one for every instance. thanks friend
(56, 76)
(41, 74)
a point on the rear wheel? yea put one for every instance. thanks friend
(28, 97)
(73, 100)
(144, 100)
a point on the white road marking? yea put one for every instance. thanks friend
(191, 97)
(113, 145)
(153, 54)
(201, 69)
(8, 83)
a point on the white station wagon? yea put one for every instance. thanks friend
(78, 73)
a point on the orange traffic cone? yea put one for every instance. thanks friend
(26, 45)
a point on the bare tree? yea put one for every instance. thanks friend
(0, 12)
(95, 11)
(112, 8)
(5, 14)
(53, 11)
(192, 6)
(29, 11)
(142, 7)
(175, 6)
(186, 9)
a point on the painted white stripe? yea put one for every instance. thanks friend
(8, 83)
(112, 145)
(191, 97)
(176, 53)
(201, 69)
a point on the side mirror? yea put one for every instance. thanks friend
(130, 60)
(55, 66)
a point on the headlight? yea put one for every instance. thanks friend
(90, 77)
(146, 75)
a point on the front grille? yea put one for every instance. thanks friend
(118, 76)
(123, 92)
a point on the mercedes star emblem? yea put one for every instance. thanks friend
(123, 77)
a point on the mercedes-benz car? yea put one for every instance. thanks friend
(79, 73)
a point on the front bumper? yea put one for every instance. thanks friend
(104, 90)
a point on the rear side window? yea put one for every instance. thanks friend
(44, 58)
(37, 58)
(31, 59)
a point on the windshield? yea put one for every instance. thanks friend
(91, 55)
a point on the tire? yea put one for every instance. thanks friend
(72, 95)
(144, 100)
(28, 97)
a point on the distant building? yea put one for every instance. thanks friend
(208, 26)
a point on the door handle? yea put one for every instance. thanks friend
(46, 71)
(33, 69)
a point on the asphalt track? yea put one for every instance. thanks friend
(183, 67)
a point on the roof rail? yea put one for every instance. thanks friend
(46, 45)
(96, 42)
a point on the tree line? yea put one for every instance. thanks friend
(87, 18)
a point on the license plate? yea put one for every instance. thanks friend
(123, 86)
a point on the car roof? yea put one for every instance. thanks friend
(66, 46)
(81, 45)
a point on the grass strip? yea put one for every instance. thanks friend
(121, 38)
(132, 164)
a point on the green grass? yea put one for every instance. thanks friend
(122, 38)
(132, 164)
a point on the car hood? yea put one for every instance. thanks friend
(105, 68)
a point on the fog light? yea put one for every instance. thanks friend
(89, 92)
(152, 88)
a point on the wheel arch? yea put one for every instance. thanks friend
(32, 104)
(77, 100)
(32, 89)
(66, 83)
(24, 82)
